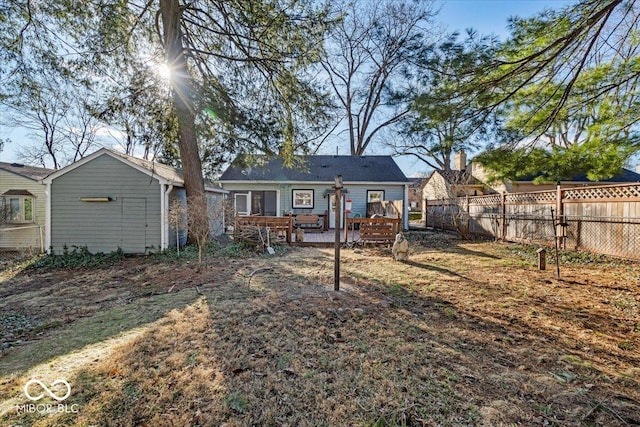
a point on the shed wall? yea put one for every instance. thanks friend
(131, 220)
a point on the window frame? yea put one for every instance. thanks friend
(22, 217)
(371, 192)
(247, 196)
(308, 193)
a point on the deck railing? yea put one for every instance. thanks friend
(282, 226)
(374, 230)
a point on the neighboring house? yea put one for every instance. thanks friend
(525, 185)
(415, 194)
(109, 201)
(271, 189)
(452, 183)
(474, 180)
(458, 182)
(22, 206)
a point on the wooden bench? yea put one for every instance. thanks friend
(309, 222)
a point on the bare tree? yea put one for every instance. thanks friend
(196, 218)
(199, 224)
(448, 192)
(41, 112)
(80, 130)
(177, 219)
(58, 119)
(370, 54)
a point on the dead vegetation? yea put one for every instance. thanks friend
(466, 333)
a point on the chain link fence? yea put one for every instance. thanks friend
(604, 220)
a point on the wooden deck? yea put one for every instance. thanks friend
(357, 230)
(326, 238)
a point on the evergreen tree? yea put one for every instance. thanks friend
(569, 80)
(235, 65)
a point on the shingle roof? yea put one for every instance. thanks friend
(18, 193)
(625, 175)
(457, 177)
(318, 169)
(159, 171)
(416, 182)
(31, 172)
(166, 172)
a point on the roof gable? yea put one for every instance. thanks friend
(458, 177)
(30, 172)
(318, 169)
(163, 173)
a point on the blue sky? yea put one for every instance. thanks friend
(491, 16)
(486, 16)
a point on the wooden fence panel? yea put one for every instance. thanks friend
(603, 219)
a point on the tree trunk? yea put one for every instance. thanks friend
(182, 92)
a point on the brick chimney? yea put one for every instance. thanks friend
(460, 161)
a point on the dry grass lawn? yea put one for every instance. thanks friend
(465, 334)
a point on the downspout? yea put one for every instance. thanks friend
(405, 209)
(162, 219)
(165, 227)
(47, 218)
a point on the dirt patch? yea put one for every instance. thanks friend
(465, 333)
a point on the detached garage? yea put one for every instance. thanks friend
(109, 200)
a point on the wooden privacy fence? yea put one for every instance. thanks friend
(603, 219)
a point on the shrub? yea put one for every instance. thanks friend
(78, 257)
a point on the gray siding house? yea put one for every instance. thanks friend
(267, 187)
(22, 207)
(109, 200)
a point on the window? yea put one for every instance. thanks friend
(241, 204)
(263, 203)
(375, 196)
(17, 209)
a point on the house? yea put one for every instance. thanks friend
(526, 184)
(457, 182)
(267, 187)
(22, 206)
(109, 201)
(473, 179)
(415, 194)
